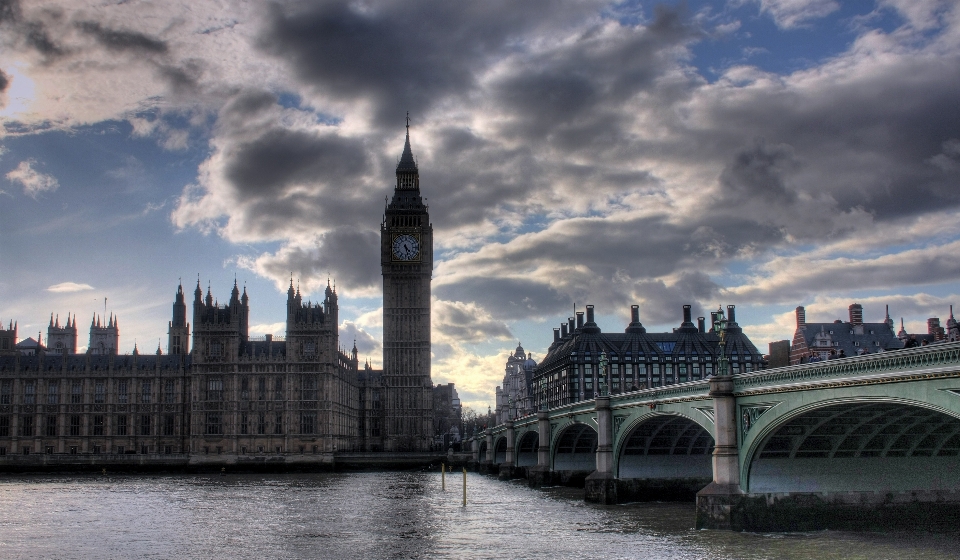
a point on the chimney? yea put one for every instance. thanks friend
(590, 314)
(856, 314)
(563, 330)
(579, 319)
(801, 317)
(570, 325)
(713, 320)
(635, 326)
(700, 325)
(934, 328)
(731, 314)
(556, 334)
(686, 313)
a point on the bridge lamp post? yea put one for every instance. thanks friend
(720, 327)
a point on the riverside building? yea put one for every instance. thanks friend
(219, 394)
(570, 371)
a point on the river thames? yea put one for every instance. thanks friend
(383, 515)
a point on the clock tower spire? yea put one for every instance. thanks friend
(406, 262)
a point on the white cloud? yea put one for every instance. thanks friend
(32, 180)
(785, 279)
(921, 14)
(794, 13)
(276, 329)
(67, 287)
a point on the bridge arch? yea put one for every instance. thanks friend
(849, 445)
(665, 446)
(482, 453)
(500, 450)
(575, 448)
(527, 446)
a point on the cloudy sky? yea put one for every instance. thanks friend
(763, 153)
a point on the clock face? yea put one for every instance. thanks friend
(405, 247)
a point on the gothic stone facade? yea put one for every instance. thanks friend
(229, 393)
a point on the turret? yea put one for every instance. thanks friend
(178, 331)
(104, 336)
(61, 339)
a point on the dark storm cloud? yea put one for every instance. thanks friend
(605, 262)
(36, 36)
(663, 304)
(9, 10)
(279, 158)
(184, 78)
(757, 173)
(33, 33)
(349, 255)
(506, 298)
(863, 141)
(122, 40)
(4, 82)
(467, 323)
(403, 55)
(569, 95)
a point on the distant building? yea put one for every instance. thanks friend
(8, 339)
(779, 354)
(514, 396)
(824, 341)
(447, 415)
(569, 372)
(935, 332)
(953, 329)
(29, 347)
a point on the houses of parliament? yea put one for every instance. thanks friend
(218, 393)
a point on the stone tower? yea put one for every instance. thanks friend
(8, 338)
(62, 340)
(178, 331)
(104, 336)
(312, 328)
(219, 331)
(406, 261)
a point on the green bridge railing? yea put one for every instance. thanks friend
(935, 356)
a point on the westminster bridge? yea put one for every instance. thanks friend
(864, 441)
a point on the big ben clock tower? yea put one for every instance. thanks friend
(406, 261)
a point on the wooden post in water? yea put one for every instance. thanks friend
(464, 486)
(443, 477)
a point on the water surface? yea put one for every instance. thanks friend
(383, 515)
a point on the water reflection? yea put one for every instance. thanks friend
(381, 515)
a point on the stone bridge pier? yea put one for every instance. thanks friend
(601, 485)
(539, 474)
(508, 466)
(715, 502)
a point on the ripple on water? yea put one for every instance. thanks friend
(383, 515)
